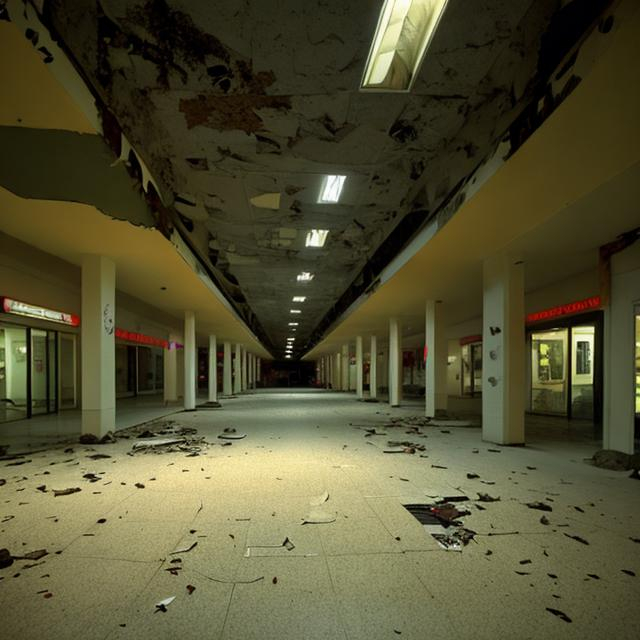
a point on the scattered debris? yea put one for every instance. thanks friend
(629, 572)
(615, 460)
(190, 589)
(33, 555)
(472, 476)
(438, 466)
(577, 538)
(185, 549)
(163, 604)
(544, 520)
(485, 497)
(494, 450)
(6, 560)
(321, 499)
(441, 522)
(139, 485)
(91, 477)
(541, 506)
(65, 492)
(42, 487)
(560, 614)
(319, 516)
(274, 581)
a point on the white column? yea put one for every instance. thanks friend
(435, 393)
(395, 363)
(253, 370)
(259, 370)
(170, 367)
(243, 369)
(189, 361)
(503, 347)
(249, 370)
(227, 387)
(373, 368)
(359, 366)
(213, 369)
(344, 368)
(237, 371)
(98, 345)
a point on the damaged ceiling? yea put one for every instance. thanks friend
(239, 110)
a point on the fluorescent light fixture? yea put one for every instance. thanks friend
(317, 237)
(298, 298)
(405, 30)
(295, 311)
(304, 276)
(293, 324)
(331, 189)
(290, 339)
(287, 357)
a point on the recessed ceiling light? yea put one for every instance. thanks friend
(293, 324)
(316, 237)
(404, 32)
(331, 189)
(298, 298)
(287, 357)
(290, 339)
(295, 311)
(304, 276)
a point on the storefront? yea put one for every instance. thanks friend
(471, 365)
(565, 360)
(38, 360)
(139, 363)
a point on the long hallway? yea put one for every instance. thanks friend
(125, 541)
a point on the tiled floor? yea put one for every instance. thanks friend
(373, 573)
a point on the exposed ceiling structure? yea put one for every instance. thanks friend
(241, 109)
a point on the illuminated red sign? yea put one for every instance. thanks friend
(18, 308)
(565, 309)
(141, 338)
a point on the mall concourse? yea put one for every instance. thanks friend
(520, 298)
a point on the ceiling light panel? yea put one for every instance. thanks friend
(293, 324)
(299, 298)
(405, 30)
(316, 237)
(331, 189)
(295, 311)
(305, 276)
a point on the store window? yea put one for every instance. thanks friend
(563, 371)
(13, 373)
(471, 362)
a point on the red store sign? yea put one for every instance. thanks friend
(19, 308)
(141, 338)
(565, 309)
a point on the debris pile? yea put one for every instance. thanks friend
(441, 520)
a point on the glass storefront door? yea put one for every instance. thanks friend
(637, 360)
(13, 373)
(471, 360)
(67, 369)
(549, 371)
(582, 371)
(563, 372)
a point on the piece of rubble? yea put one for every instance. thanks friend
(541, 506)
(319, 516)
(321, 499)
(66, 492)
(232, 435)
(6, 559)
(184, 549)
(485, 497)
(163, 604)
(559, 614)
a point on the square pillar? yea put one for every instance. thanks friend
(97, 333)
(243, 369)
(227, 387)
(395, 363)
(259, 370)
(503, 351)
(237, 370)
(359, 367)
(189, 361)
(170, 366)
(344, 368)
(436, 347)
(373, 368)
(213, 369)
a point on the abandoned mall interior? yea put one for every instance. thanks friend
(319, 320)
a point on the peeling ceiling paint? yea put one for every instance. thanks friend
(228, 101)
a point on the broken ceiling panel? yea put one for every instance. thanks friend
(228, 102)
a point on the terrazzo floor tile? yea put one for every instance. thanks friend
(294, 600)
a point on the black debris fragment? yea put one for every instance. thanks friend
(98, 456)
(485, 497)
(634, 539)
(541, 506)
(629, 572)
(595, 576)
(544, 520)
(42, 487)
(577, 538)
(2, 481)
(65, 492)
(560, 614)
(494, 450)
(139, 485)
(91, 477)
(472, 476)
(6, 560)
(17, 463)
(190, 589)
